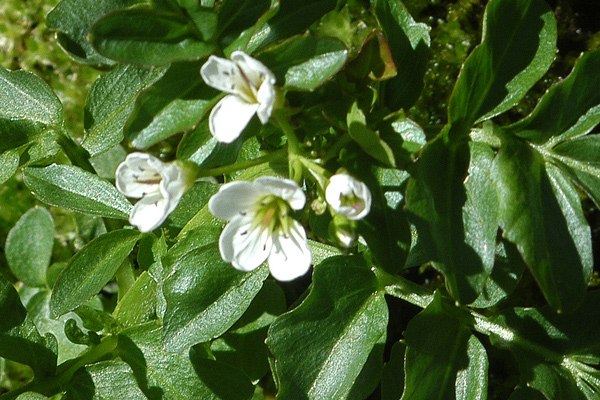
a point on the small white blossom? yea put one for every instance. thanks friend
(158, 185)
(260, 227)
(251, 91)
(348, 196)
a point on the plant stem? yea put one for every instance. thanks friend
(413, 293)
(241, 165)
(293, 146)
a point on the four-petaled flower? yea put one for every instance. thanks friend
(348, 196)
(158, 185)
(260, 227)
(251, 91)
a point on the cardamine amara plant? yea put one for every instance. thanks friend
(303, 200)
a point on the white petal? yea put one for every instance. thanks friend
(229, 117)
(232, 199)
(135, 176)
(149, 213)
(254, 70)
(287, 189)
(252, 247)
(341, 185)
(290, 256)
(218, 72)
(172, 186)
(244, 247)
(266, 100)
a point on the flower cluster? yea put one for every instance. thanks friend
(260, 226)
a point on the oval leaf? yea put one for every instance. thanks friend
(147, 37)
(29, 246)
(321, 346)
(205, 296)
(518, 46)
(26, 96)
(531, 217)
(87, 272)
(305, 62)
(70, 187)
(110, 103)
(444, 360)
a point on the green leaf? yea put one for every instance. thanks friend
(175, 103)
(569, 109)
(321, 346)
(73, 20)
(138, 306)
(518, 46)
(392, 379)
(554, 350)
(31, 396)
(147, 37)
(507, 272)
(205, 296)
(87, 273)
(191, 203)
(291, 19)
(104, 380)
(26, 96)
(238, 15)
(526, 393)
(9, 162)
(70, 187)
(409, 43)
(181, 375)
(29, 246)
(456, 221)
(19, 339)
(243, 346)
(445, 362)
(305, 62)
(110, 103)
(368, 139)
(578, 157)
(549, 239)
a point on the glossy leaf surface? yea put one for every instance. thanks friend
(75, 189)
(321, 346)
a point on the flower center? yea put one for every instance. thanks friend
(272, 213)
(352, 201)
(245, 88)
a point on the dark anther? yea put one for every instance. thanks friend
(243, 233)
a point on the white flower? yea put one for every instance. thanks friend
(159, 185)
(260, 226)
(251, 91)
(348, 196)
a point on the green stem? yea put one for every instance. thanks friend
(413, 293)
(65, 371)
(320, 174)
(241, 165)
(293, 145)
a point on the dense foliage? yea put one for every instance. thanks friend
(438, 172)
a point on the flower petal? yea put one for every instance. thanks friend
(344, 185)
(233, 199)
(266, 101)
(229, 117)
(218, 72)
(254, 70)
(149, 213)
(138, 175)
(290, 256)
(287, 189)
(244, 247)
